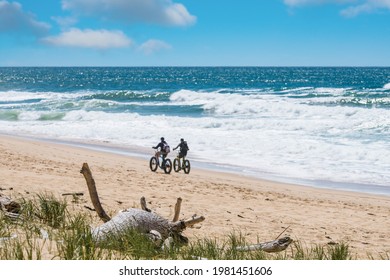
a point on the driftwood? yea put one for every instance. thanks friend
(143, 205)
(177, 210)
(10, 207)
(74, 194)
(274, 246)
(93, 193)
(142, 220)
(277, 245)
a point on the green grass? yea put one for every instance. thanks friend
(47, 229)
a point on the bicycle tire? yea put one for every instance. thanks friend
(187, 166)
(168, 166)
(176, 165)
(153, 164)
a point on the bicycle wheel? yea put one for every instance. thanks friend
(168, 166)
(187, 166)
(176, 165)
(153, 164)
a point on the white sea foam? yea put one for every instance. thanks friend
(223, 104)
(14, 96)
(20, 96)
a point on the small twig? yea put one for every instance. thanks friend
(12, 215)
(89, 208)
(76, 193)
(282, 232)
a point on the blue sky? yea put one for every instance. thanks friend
(195, 33)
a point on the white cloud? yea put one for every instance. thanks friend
(366, 7)
(65, 22)
(314, 2)
(152, 46)
(14, 19)
(95, 39)
(353, 7)
(151, 11)
(298, 2)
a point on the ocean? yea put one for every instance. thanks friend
(323, 127)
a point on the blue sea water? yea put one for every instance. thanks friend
(326, 127)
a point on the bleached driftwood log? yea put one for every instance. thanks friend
(10, 207)
(4, 200)
(274, 246)
(142, 220)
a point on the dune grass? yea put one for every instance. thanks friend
(46, 229)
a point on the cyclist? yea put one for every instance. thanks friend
(183, 148)
(164, 149)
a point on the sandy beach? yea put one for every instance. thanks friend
(259, 209)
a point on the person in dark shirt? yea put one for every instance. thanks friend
(183, 148)
(163, 149)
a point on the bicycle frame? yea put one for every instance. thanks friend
(160, 162)
(181, 161)
(161, 159)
